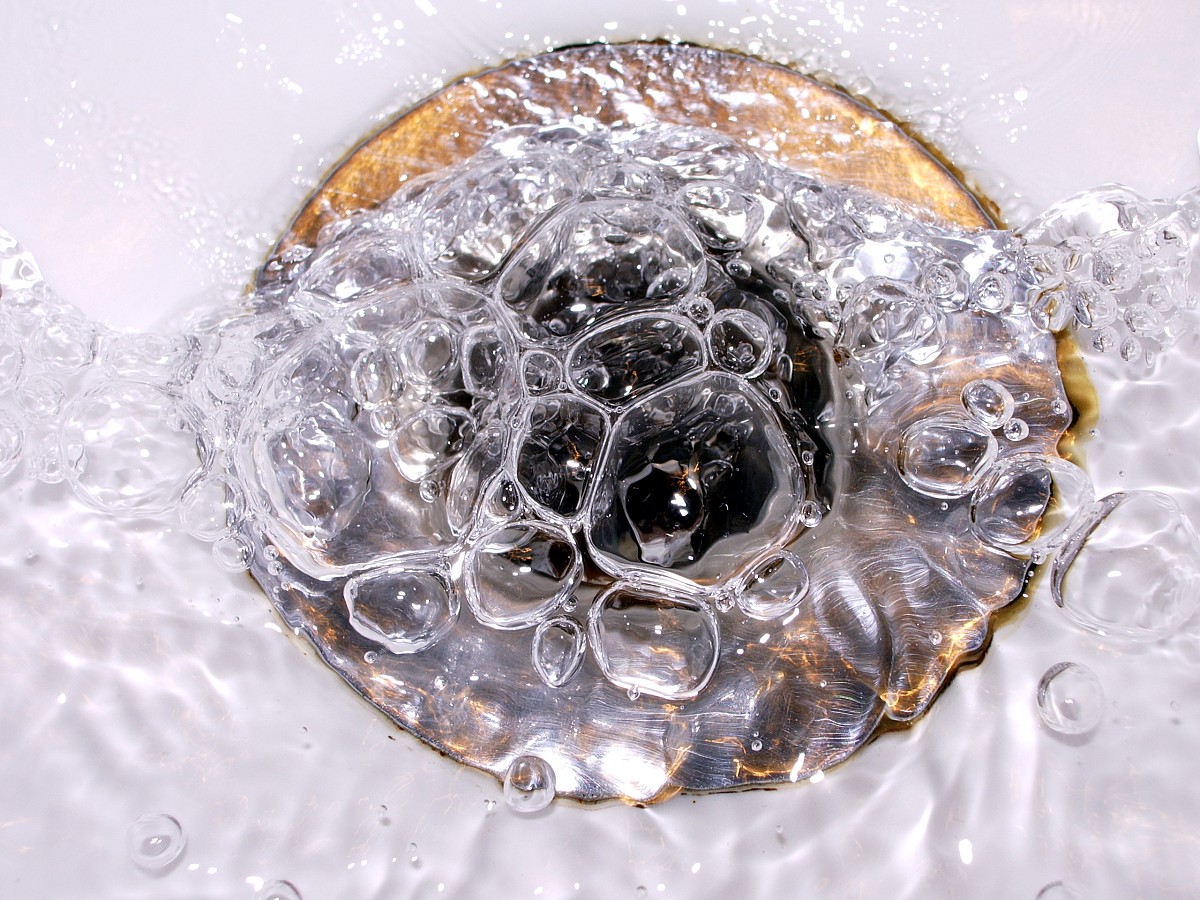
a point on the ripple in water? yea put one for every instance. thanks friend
(605, 424)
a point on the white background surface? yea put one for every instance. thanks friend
(152, 152)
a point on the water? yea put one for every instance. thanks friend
(382, 436)
(848, 797)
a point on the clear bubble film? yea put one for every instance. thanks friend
(594, 459)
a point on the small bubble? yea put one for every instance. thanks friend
(989, 401)
(1070, 698)
(724, 602)
(371, 657)
(641, 891)
(155, 841)
(528, 784)
(232, 553)
(700, 309)
(756, 745)
(277, 890)
(810, 514)
(1016, 430)
(430, 488)
(439, 683)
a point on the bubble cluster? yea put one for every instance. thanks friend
(1114, 268)
(622, 428)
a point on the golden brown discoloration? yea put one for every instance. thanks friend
(795, 119)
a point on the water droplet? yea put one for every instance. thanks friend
(516, 576)
(992, 292)
(1094, 306)
(1016, 430)
(1052, 310)
(528, 784)
(1070, 698)
(232, 553)
(1132, 567)
(661, 646)
(231, 372)
(1029, 502)
(317, 470)
(558, 649)
(811, 513)
(40, 396)
(633, 356)
(774, 588)
(739, 342)
(66, 342)
(431, 440)
(374, 379)
(155, 841)
(699, 309)
(428, 352)
(404, 609)
(946, 455)
(989, 401)
(541, 372)
(212, 507)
